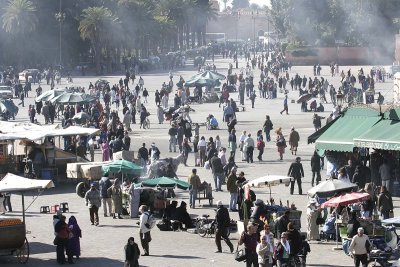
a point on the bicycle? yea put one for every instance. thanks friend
(206, 226)
(146, 123)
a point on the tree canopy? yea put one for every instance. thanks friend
(332, 22)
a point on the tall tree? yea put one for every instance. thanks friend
(238, 4)
(20, 19)
(97, 25)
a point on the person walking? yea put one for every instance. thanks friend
(115, 192)
(202, 147)
(105, 184)
(285, 105)
(249, 145)
(315, 168)
(232, 143)
(267, 127)
(186, 149)
(143, 155)
(359, 248)
(385, 202)
(385, 172)
(232, 189)
(280, 142)
(296, 171)
(265, 249)
(145, 237)
(294, 139)
(93, 201)
(222, 221)
(250, 240)
(218, 171)
(260, 147)
(132, 253)
(195, 183)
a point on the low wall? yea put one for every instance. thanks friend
(341, 55)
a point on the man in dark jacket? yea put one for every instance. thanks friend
(218, 171)
(315, 168)
(296, 171)
(281, 224)
(222, 221)
(294, 238)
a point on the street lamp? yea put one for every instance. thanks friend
(60, 17)
(236, 43)
(254, 16)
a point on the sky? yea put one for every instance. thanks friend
(258, 2)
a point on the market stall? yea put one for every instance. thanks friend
(13, 231)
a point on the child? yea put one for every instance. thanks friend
(74, 243)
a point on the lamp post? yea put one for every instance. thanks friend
(253, 16)
(60, 17)
(236, 43)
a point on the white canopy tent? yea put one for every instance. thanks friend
(18, 184)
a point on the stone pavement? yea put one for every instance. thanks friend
(103, 246)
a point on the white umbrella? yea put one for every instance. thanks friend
(270, 180)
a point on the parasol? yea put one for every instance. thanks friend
(304, 98)
(166, 182)
(330, 187)
(48, 95)
(73, 98)
(270, 180)
(206, 78)
(8, 105)
(392, 221)
(346, 199)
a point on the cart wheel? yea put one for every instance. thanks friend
(23, 252)
(210, 201)
(81, 189)
(201, 231)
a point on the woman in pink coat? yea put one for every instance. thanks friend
(105, 149)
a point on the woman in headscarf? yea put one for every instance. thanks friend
(105, 150)
(280, 142)
(115, 192)
(132, 253)
(74, 243)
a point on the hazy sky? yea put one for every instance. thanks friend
(258, 2)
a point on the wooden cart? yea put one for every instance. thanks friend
(13, 231)
(206, 193)
(13, 239)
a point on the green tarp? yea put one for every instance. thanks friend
(383, 135)
(340, 135)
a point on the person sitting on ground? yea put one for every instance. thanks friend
(183, 216)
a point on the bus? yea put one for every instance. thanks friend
(218, 38)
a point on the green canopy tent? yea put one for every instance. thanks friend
(121, 166)
(206, 78)
(73, 98)
(165, 182)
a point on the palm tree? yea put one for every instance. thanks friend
(19, 17)
(97, 25)
(225, 2)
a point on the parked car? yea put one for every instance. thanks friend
(31, 73)
(6, 92)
